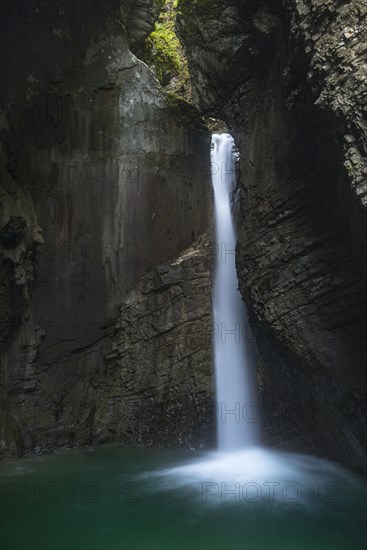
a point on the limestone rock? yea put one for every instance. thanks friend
(112, 169)
(148, 380)
(288, 78)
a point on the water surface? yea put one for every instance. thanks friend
(113, 498)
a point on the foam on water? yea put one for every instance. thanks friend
(242, 471)
(263, 476)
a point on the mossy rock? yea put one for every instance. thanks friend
(184, 112)
(164, 54)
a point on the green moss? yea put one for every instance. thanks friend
(164, 54)
(184, 112)
(174, 100)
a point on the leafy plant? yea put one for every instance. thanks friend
(164, 54)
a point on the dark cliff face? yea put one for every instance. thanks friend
(287, 78)
(102, 179)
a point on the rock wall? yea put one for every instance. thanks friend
(288, 80)
(147, 380)
(103, 179)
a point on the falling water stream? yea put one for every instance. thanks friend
(239, 497)
(233, 342)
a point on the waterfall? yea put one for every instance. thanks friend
(254, 479)
(234, 350)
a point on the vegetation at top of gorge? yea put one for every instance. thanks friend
(164, 53)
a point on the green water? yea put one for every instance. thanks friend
(113, 498)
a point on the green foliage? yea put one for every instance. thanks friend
(164, 50)
(164, 54)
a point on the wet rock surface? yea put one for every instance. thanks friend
(110, 171)
(296, 107)
(144, 379)
(104, 177)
